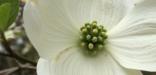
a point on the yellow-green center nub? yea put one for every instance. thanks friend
(93, 37)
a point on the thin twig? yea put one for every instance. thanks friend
(13, 69)
(8, 71)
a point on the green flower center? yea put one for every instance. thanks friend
(93, 37)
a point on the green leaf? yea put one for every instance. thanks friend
(4, 15)
(8, 12)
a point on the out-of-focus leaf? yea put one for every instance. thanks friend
(4, 15)
(8, 12)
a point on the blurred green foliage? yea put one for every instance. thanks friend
(8, 12)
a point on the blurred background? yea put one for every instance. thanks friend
(17, 55)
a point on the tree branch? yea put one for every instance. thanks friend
(13, 69)
(4, 54)
(9, 70)
(11, 53)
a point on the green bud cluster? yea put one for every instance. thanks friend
(93, 37)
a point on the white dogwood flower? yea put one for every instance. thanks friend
(92, 37)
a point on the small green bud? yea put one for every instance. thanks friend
(94, 22)
(100, 27)
(105, 37)
(95, 31)
(84, 30)
(90, 46)
(87, 24)
(88, 37)
(94, 39)
(88, 27)
(100, 39)
(103, 33)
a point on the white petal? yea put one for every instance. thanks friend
(43, 67)
(110, 12)
(49, 33)
(133, 43)
(137, 1)
(74, 62)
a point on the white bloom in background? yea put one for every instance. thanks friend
(119, 38)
